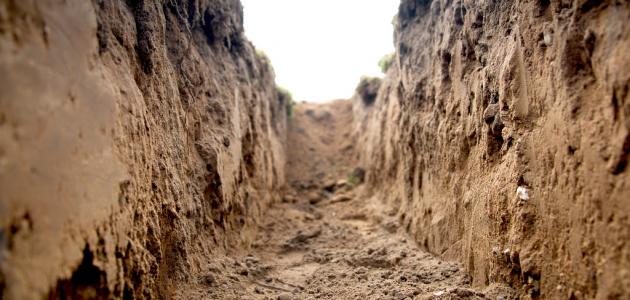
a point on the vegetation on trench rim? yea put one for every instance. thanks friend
(386, 61)
(366, 80)
(286, 96)
(263, 57)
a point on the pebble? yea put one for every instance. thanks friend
(547, 38)
(522, 193)
(285, 297)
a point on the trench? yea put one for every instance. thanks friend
(326, 239)
(146, 152)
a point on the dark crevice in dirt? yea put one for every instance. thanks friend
(623, 157)
(2, 284)
(87, 282)
(208, 20)
(368, 90)
(145, 25)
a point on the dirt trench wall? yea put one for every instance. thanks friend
(137, 139)
(489, 96)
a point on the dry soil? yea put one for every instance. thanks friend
(325, 241)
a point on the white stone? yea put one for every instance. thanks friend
(522, 193)
(547, 38)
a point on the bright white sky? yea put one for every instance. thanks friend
(320, 48)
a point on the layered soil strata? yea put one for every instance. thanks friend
(137, 140)
(487, 98)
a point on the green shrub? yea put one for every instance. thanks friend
(286, 97)
(262, 55)
(386, 62)
(290, 106)
(352, 180)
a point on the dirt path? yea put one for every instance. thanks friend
(324, 241)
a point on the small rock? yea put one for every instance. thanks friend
(340, 198)
(314, 198)
(285, 297)
(490, 113)
(438, 293)
(466, 201)
(398, 295)
(289, 199)
(251, 260)
(522, 193)
(341, 183)
(547, 38)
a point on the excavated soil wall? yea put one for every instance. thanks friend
(137, 140)
(487, 98)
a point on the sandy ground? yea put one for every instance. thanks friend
(324, 241)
